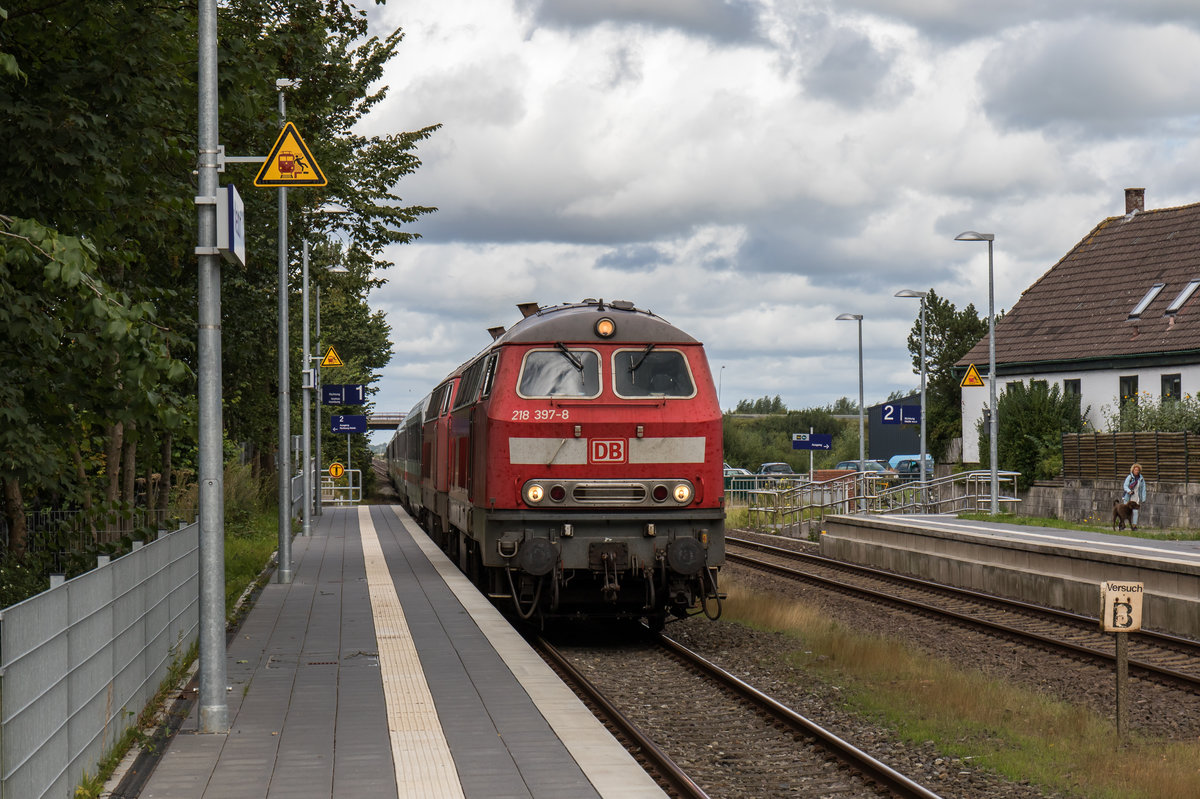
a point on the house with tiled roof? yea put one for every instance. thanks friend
(1116, 318)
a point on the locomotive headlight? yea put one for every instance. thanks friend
(683, 493)
(534, 493)
(605, 328)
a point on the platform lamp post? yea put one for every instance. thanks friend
(862, 458)
(920, 295)
(994, 426)
(333, 270)
(308, 383)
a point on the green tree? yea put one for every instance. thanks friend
(70, 343)
(323, 44)
(763, 404)
(949, 335)
(1033, 419)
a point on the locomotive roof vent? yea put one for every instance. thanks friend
(621, 305)
(496, 332)
(528, 309)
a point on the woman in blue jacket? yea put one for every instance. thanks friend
(1135, 489)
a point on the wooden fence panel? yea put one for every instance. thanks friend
(1165, 457)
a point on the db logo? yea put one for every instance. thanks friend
(606, 450)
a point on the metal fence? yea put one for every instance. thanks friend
(64, 534)
(80, 661)
(800, 509)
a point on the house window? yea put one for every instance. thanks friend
(1072, 388)
(1172, 387)
(1129, 389)
(1149, 298)
(1178, 302)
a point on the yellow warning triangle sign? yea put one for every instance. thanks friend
(331, 358)
(971, 379)
(290, 163)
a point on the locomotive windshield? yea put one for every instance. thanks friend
(560, 372)
(652, 372)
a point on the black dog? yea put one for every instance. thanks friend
(1122, 513)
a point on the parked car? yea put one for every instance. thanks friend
(734, 471)
(908, 466)
(889, 476)
(775, 474)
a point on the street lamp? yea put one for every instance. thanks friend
(308, 382)
(921, 296)
(720, 380)
(862, 458)
(994, 427)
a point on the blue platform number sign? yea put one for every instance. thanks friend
(349, 394)
(349, 424)
(900, 414)
(812, 441)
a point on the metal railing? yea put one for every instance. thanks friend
(346, 490)
(79, 662)
(799, 509)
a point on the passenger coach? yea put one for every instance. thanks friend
(574, 466)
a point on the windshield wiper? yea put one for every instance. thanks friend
(633, 367)
(570, 356)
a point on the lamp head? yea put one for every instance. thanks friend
(971, 235)
(849, 317)
(911, 293)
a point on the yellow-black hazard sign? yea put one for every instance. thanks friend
(971, 379)
(331, 358)
(336, 470)
(290, 163)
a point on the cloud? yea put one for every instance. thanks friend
(851, 72)
(750, 170)
(1095, 79)
(722, 20)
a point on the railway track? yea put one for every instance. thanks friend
(1160, 656)
(706, 733)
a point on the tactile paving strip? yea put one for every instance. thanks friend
(424, 765)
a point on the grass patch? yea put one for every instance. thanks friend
(1009, 729)
(737, 517)
(248, 547)
(1091, 525)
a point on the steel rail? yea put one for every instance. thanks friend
(860, 761)
(1054, 643)
(669, 771)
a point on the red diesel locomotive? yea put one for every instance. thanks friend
(574, 467)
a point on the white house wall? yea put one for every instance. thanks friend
(1099, 390)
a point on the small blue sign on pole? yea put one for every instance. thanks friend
(812, 441)
(348, 394)
(349, 424)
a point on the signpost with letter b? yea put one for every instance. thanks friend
(1121, 613)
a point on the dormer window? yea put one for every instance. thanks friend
(1149, 298)
(1178, 302)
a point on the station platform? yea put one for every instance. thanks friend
(380, 671)
(1049, 566)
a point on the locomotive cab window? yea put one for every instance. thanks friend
(560, 372)
(652, 372)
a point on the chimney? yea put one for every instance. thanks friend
(1135, 200)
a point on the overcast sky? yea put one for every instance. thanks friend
(750, 169)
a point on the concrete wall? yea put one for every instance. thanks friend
(1065, 576)
(1091, 500)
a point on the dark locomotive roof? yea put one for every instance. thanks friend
(575, 321)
